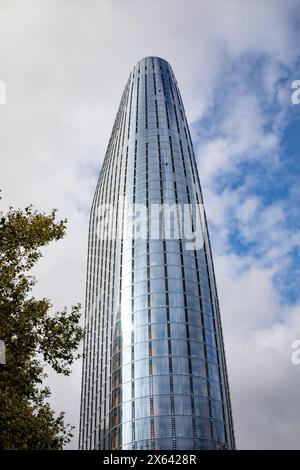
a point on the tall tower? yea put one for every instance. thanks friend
(154, 372)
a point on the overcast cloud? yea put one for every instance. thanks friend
(65, 64)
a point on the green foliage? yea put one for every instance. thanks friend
(34, 336)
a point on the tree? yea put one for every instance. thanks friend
(34, 336)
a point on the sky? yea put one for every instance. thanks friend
(65, 64)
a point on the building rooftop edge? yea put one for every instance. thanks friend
(152, 57)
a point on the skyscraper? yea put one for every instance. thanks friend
(154, 372)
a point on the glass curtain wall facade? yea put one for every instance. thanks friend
(154, 372)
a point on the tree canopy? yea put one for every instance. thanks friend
(33, 334)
